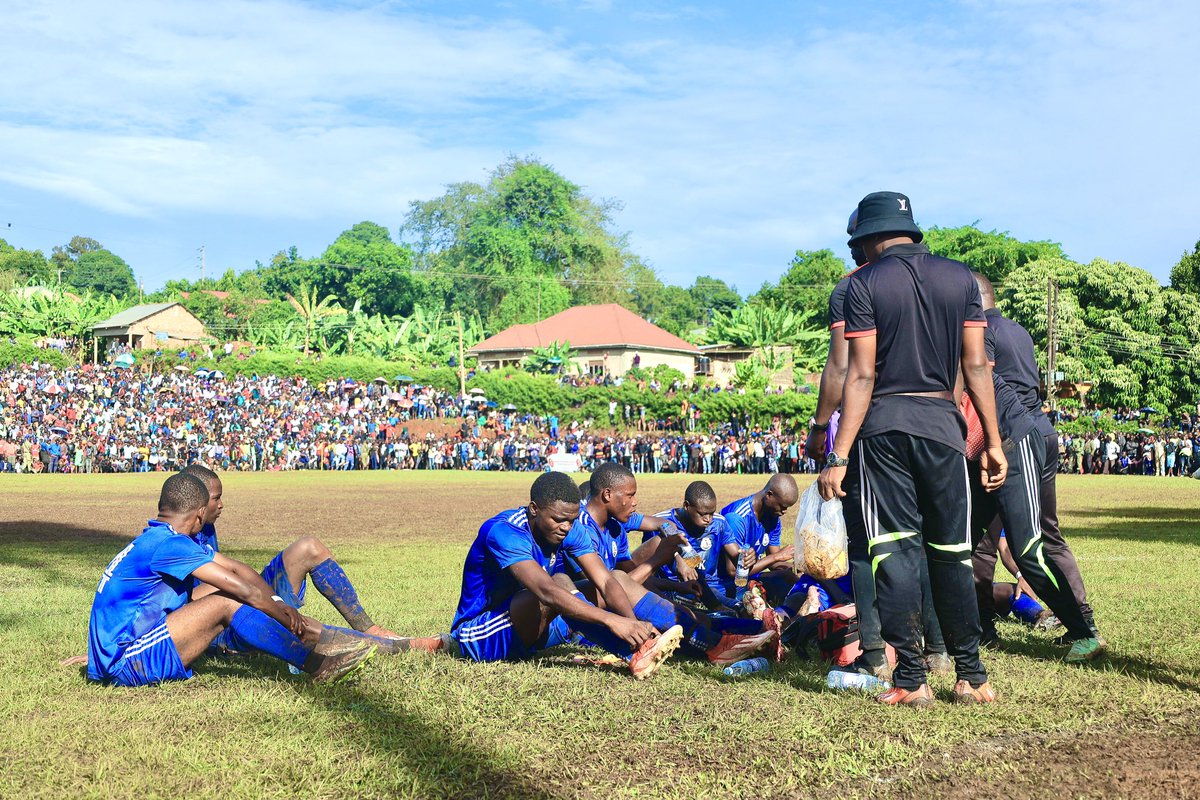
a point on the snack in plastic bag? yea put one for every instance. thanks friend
(820, 547)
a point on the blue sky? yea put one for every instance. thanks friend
(732, 133)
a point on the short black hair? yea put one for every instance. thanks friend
(202, 472)
(610, 475)
(698, 492)
(585, 489)
(553, 487)
(182, 493)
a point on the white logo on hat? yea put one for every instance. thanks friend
(903, 203)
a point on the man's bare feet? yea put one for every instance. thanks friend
(379, 630)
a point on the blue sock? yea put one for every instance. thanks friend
(331, 581)
(662, 614)
(252, 629)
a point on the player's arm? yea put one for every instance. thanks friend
(1010, 564)
(977, 378)
(567, 603)
(243, 584)
(775, 556)
(833, 377)
(608, 587)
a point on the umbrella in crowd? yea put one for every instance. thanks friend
(477, 390)
(1149, 410)
(201, 373)
(53, 388)
(405, 403)
(181, 368)
(380, 380)
(491, 404)
(509, 407)
(61, 431)
(216, 375)
(394, 396)
(124, 360)
(1146, 430)
(404, 379)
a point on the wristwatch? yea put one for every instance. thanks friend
(819, 426)
(834, 460)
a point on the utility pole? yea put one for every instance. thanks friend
(141, 291)
(1051, 338)
(462, 370)
(201, 262)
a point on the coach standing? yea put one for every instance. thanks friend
(912, 320)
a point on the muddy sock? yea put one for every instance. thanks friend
(251, 629)
(331, 581)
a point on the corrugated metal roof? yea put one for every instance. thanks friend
(132, 315)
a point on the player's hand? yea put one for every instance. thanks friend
(785, 553)
(693, 588)
(633, 631)
(814, 446)
(686, 573)
(291, 619)
(1023, 587)
(994, 468)
(829, 484)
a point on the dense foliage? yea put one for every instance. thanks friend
(527, 242)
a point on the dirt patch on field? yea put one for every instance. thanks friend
(1160, 763)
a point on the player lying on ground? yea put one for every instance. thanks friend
(613, 497)
(306, 557)
(510, 608)
(143, 630)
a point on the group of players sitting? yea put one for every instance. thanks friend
(555, 571)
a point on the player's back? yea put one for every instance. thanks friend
(134, 594)
(486, 583)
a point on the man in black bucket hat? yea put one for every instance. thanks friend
(912, 320)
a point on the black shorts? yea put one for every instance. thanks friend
(899, 484)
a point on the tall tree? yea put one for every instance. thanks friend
(102, 271)
(714, 296)
(20, 266)
(993, 253)
(1185, 276)
(806, 286)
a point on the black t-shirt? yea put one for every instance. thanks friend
(915, 305)
(837, 303)
(1010, 349)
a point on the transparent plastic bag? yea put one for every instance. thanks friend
(820, 547)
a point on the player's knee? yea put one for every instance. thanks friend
(562, 580)
(311, 549)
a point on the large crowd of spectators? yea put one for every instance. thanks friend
(105, 419)
(99, 419)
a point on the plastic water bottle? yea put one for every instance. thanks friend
(742, 576)
(292, 668)
(747, 666)
(837, 679)
(691, 556)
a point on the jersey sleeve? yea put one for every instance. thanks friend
(635, 521)
(578, 542)
(509, 545)
(623, 547)
(859, 309)
(989, 344)
(735, 531)
(179, 556)
(837, 302)
(775, 537)
(974, 318)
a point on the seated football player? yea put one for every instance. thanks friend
(707, 534)
(307, 557)
(613, 499)
(143, 630)
(510, 608)
(756, 525)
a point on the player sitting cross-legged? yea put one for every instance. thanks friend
(306, 557)
(510, 608)
(143, 630)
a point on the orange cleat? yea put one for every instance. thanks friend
(921, 697)
(966, 694)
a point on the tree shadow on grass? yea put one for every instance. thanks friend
(443, 763)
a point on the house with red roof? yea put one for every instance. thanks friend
(605, 339)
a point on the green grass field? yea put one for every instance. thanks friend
(422, 726)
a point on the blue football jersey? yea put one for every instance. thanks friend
(504, 540)
(709, 544)
(747, 530)
(147, 580)
(610, 541)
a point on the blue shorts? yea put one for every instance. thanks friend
(490, 637)
(277, 578)
(149, 659)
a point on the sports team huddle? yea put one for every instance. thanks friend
(930, 428)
